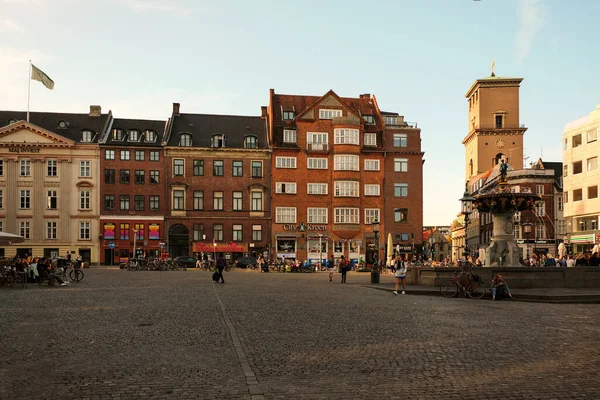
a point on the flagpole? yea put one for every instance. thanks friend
(28, 90)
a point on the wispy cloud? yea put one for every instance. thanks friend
(532, 18)
(170, 7)
(7, 25)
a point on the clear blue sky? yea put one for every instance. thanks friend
(136, 57)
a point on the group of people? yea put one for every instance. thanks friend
(587, 259)
(41, 268)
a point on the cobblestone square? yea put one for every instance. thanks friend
(121, 334)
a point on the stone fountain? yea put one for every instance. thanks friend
(502, 202)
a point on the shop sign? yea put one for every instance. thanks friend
(302, 227)
(404, 248)
(286, 255)
(23, 150)
(231, 247)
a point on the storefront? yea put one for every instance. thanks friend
(538, 247)
(231, 251)
(286, 247)
(317, 247)
(583, 243)
(120, 238)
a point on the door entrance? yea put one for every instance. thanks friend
(179, 240)
(86, 255)
(108, 257)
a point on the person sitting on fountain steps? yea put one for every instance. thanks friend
(498, 283)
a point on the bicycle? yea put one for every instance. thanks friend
(473, 288)
(76, 273)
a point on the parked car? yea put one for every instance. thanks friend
(186, 261)
(243, 262)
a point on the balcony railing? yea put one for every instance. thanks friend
(317, 147)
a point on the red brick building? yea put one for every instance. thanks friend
(328, 164)
(218, 184)
(132, 189)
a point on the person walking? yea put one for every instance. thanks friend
(220, 267)
(400, 275)
(330, 264)
(344, 266)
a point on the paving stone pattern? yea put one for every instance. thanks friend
(159, 335)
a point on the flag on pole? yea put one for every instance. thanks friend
(39, 75)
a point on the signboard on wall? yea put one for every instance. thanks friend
(109, 231)
(154, 232)
(231, 247)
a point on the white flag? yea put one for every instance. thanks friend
(39, 75)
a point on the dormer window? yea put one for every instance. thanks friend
(185, 140)
(118, 134)
(499, 121)
(391, 120)
(86, 136)
(250, 142)
(62, 124)
(217, 140)
(150, 136)
(370, 119)
(134, 135)
(288, 115)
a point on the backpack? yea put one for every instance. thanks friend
(215, 276)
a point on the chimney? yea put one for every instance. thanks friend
(263, 111)
(95, 111)
(175, 108)
(365, 96)
(272, 92)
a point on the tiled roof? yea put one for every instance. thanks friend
(203, 126)
(140, 125)
(74, 123)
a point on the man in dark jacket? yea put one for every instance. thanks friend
(220, 267)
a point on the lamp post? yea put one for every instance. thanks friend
(320, 251)
(375, 271)
(431, 244)
(467, 207)
(215, 251)
(527, 230)
(135, 231)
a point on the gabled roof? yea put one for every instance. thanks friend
(140, 125)
(51, 138)
(325, 96)
(74, 123)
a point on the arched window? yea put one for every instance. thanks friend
(250, 142)
(471, 168)
(150, 136)
(217, 140)
(185, 140)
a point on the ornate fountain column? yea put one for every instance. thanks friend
(503, 249)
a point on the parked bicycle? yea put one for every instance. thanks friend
(467, 283)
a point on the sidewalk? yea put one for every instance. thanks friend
(543, 295)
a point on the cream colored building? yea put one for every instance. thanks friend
(581, 178)
(49, 182)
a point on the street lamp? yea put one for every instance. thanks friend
(375, 270)
(320, 251)
(527, 230)
(135, 231)
(467, 207)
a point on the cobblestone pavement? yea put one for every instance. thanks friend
(121, 334)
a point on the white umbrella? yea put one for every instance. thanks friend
(596, 249)
(562, 250)
(9, 238)
(390, 250)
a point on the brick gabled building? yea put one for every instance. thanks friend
(132, 189)
(328, 166)
(218, 184)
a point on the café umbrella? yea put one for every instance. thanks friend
(562, 250)
(10, 238)
(390, 250)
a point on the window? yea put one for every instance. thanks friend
(124, 202)
(346, 215)
(329, 114)
(593, 192)
(218, 169)
(401, 189)
(198, 199)
(150, 136)
(288, 115)
(109, 202)
(134, 136)
(539, 189)
(198, 229)
(499, 119)
(178, 200)
(85, 168)
(238, 202)
(250, 142)
(345, 136)
(400, 140)
(125, 156)
(285, 187)
(346, 189)
(185, 140)
(577, 167)
(285, 215)
(124, 176)
(140, 177)
(1, 167)
(317, 215)
(140, 155)
(86, 136)
(217, 200)
(540, 231)
(154, 203)
(51, 168)
(565, 170)
(52, 200)
(566, 194)
(285, 162)
(237, 233)
(540, 208)
(401, 215)
(289, 136)
(138, 202)
(117, 134)
(1, 226)
(316, 141)
(256, 233)
(576, 141)
(400, 164)
(517, 232)
(592, 135)
(370, 119)
(372, 190)
(218, 231)
(84, 200)
(560, 203)
(217, 141)
(592, 163)
(25, 228)
(51, 229)
(25, 168)
(317, 163)
(371, 215)
(84, 231)
(109, 176)
(25, 198)
(257, 201)
(154, 156)
(198, 167)
(371, 165)
(154, 177)
(565, 144)
(370, 139)
(109, 154)
(391, 120)
(345, 163)
(178, 167)
(138, 230)
(257, 169)
(1, 200)
(317, 188)
(124, 231)
(237, 167)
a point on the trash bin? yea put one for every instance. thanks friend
(374, 277)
